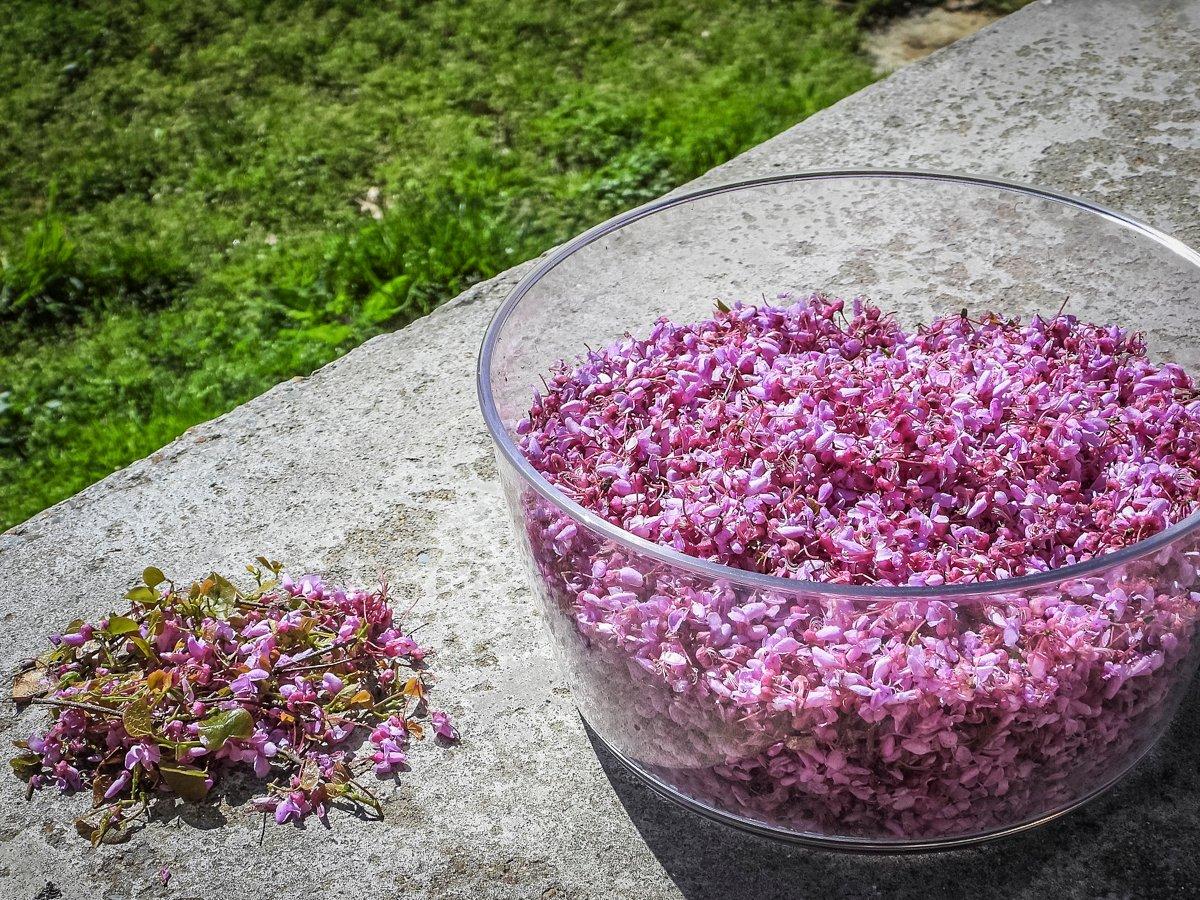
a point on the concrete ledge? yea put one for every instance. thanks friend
(380, 460)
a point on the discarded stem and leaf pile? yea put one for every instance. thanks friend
(285, 680)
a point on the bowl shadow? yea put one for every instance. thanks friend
(1138, 840)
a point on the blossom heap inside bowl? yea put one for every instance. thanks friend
(806, 442)
(811, 441)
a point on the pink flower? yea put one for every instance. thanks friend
(390, 739)
(299, 691)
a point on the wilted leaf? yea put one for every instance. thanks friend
(414, 688)
(100, 784)
(116, 834)
(188, 782)
(722, 305)
(310, 774)
(416, 729)
(118, 625)
(87, 830)
(106, 831)
(159, 681)
(33, 682)
(216, 729)
(153, 576)
(137, 719)
(362, 698)
(25, 765)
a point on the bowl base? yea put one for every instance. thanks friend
(851, 844)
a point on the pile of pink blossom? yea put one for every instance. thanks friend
(816, 442)
(803, 442)
(197, 680)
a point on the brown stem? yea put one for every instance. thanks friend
(71, 704)
(336, 645)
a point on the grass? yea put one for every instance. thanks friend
(188, 186)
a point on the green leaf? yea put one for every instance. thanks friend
(226, 589)
(137, 719)
(722, 305)
(142, 595)
(143, 646)
(269, 585)
(118, 625)
(153, 576)
(216, 729)
(186, 781)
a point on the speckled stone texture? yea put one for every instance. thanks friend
(380, 462)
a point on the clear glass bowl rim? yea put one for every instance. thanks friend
(774, 583)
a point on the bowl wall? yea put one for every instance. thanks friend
(800, 744)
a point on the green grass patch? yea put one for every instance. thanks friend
(184, 184)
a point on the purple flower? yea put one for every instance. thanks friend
(78, 638)
(257, 751)
(442, 726)
(144, 753)
(390, 738)
(244, 684)
(295, 807)
(119, 784)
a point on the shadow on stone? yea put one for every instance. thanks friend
(1138, 840)
(204, 816)
(234, 791)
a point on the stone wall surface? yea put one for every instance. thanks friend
(380, 461)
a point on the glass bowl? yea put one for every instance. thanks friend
(960, 755)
